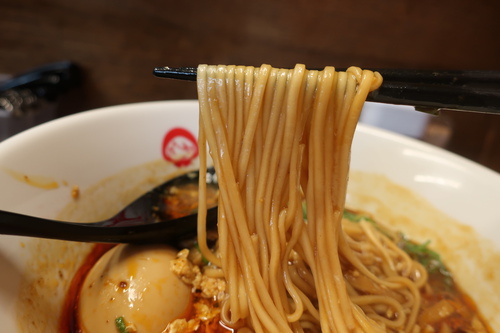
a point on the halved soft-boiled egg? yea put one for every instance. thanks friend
(134, 283)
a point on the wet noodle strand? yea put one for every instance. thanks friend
(280, 138)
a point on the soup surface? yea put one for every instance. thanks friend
(445, 308)
(397, 207)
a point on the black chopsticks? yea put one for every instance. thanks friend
(426, 90)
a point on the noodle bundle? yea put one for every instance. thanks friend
(280, 141)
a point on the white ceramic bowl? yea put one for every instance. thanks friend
(114, 154)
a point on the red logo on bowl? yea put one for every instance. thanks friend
(179, 147)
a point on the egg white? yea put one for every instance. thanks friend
(133, 282)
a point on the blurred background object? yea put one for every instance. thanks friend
(118, 43)
(32, 98)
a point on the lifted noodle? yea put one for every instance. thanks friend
(279, 137)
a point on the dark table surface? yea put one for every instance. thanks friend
(118, 43)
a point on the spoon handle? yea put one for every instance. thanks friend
(160, 232)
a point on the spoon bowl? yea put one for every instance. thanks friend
(153, 217)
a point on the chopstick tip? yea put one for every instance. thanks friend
(180, 73)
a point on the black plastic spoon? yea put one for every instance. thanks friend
(143, 221)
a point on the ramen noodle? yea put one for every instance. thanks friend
(287, 255)
(279, 138)
(280, 141)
